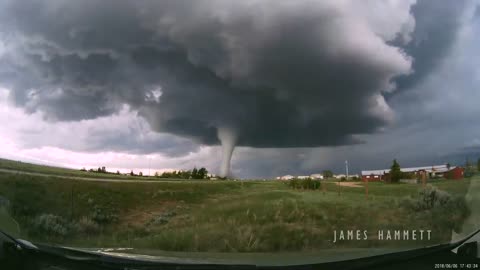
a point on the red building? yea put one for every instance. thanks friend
(437, 171)
(377, 175)
(454, 173)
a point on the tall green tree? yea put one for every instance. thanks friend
(327, 174)
(186, 174)
(202, 173)
(195, 173)
(395, 172)
(478, 165)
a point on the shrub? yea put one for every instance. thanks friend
(433, 204)
(294, 183)
(304, 184)
(431, 197)
(104, 214)
(164, 218)
(88, 226)
(51, 225)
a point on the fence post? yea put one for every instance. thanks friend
(366, 189)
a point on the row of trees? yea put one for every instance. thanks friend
(99, 170)
(133, 174)
(195, 173)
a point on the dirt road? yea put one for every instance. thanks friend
(349, 184)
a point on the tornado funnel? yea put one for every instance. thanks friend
(228, 139)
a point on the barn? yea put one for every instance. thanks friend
(436, 171)
(455, 173)
(375, 175)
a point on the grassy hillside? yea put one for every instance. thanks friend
(50, 170)
(223, 216)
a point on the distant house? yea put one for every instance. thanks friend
(340, 176)
(286, 177)
(303, 177)
(436, 171)
(316, 176)
(374, 175)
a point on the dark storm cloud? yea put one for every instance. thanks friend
(460, 156)
(290, 74)
(477, 13)
(437, 24)
(126, 140)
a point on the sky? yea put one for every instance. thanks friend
(290, 87)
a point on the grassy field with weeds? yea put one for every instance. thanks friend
(225, 216)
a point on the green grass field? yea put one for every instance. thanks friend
(218, 216)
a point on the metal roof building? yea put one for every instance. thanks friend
(380, 174)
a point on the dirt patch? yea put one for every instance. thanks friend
(349, 184)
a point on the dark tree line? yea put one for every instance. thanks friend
(99, 170)
(195, 173)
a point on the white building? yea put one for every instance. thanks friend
(316, 176)
(303, 177)
(286, 177)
